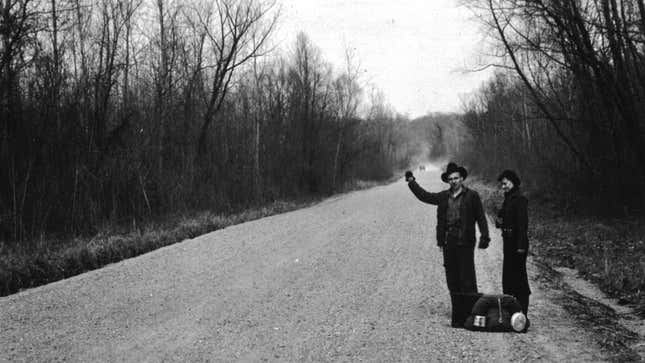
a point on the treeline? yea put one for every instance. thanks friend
(438, 135)
(115, 112)
(569, 110)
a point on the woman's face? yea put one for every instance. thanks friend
(506, 185)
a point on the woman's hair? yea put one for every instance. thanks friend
(510, 175)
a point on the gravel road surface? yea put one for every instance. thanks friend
(354, 278)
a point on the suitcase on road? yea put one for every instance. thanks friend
(497, 313)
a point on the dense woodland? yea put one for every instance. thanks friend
(116, 112)
(567, 107)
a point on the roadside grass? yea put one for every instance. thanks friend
(609, 252)
(40, 262)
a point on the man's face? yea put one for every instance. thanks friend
(506, 185)
(455, 180)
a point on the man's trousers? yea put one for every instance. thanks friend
(459, 263)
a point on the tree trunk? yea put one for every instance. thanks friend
(339, 142)
(161, 87)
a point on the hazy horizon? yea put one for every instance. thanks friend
(415, 51)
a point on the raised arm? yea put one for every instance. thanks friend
(422, 194)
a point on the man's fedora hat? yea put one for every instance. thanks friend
(453, 168)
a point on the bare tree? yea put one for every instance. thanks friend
(310, 78)
(114, 112)
(17, 30)
(237, 32)
(581, 63)
(348, 97)
(164, 78)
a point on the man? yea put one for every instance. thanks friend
(458, 210)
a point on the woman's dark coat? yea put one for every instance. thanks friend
(514, 216)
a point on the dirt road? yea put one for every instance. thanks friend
(357, 277)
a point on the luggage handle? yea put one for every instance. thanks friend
(499, 305)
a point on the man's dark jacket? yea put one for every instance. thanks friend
(470, 211)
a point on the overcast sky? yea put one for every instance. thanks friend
(413, 50)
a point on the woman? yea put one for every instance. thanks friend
(512, 219)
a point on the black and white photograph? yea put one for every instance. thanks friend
(322, 181)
